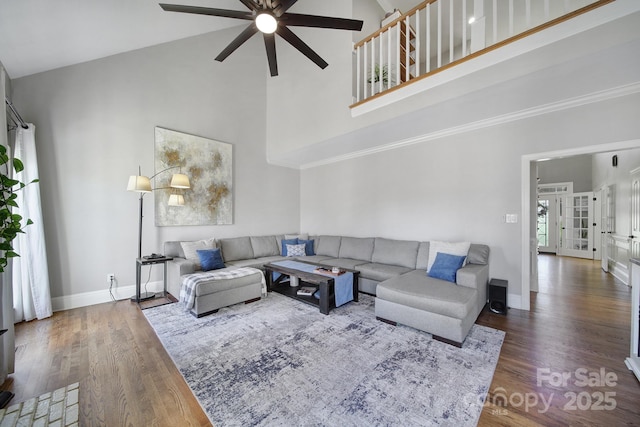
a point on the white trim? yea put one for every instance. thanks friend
(620, 272)
(85, 299)
(548, 36)
(566, 104)
(525, 186)
(633, 366)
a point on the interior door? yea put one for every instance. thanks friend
(635, 214)
(547, 224)
(604, 229)
(577, 231)
(597, 226)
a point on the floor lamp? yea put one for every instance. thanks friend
(142, 184)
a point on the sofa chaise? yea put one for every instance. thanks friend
(394, 271)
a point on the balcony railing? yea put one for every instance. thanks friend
(438, 34)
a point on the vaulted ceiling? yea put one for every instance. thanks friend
(40, 35)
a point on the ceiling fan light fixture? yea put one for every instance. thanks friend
(266, 23)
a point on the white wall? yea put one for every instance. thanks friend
(95, 125)
(458, 187)
(604, 174)
(309, 116)
(576, 169)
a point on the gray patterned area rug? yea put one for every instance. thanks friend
(280, 362)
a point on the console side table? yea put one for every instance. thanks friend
(143, 296)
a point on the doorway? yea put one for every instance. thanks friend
(529, 186)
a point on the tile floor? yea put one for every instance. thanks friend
(54, 409)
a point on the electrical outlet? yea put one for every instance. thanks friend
(111, 277)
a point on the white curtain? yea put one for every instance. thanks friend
(31, 294)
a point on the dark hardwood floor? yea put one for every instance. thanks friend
(579, 325)
(579, 319)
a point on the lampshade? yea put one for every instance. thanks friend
(139, 183)
(179, 180)
(176, 200)
(266, 23)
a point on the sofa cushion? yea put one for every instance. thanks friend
(356, 248)
(422, 262)
(478, 254)
(255, 262)
(264, 246)
(446, 266)
(415, 289)
(309, 246)
(296, 250)
(218, 285)
(189, 249)
(317, 258)
(343, 262)
(236, 248)
(380, 272)
(210, 259)
(303, 236)
(328, 246)
(451, 248)
(395, 252)
(285, 242)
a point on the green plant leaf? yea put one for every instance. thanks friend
(18, 166)
(11, 254)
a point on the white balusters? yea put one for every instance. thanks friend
(415, 44)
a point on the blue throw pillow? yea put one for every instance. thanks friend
(446, 266)
(286, 242)
(308, 246)
(210, 259)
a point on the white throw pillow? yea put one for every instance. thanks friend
(459, 249)
(190, 248)
(296, 250)
(304, 236)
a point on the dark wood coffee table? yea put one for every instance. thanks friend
(326, 284)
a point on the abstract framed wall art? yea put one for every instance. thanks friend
(208, 164)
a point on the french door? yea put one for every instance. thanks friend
(547, 224)
(576, 238)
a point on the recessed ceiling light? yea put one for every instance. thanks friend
(472, 20)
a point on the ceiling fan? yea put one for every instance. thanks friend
(271, 17)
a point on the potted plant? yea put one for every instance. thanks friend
(10, 223)
(379, 73)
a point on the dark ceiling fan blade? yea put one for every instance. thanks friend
(296, 42)
(270, 44)
(283, 6)
(300, 20)
(251, 5)
(224, 13)
(237, 42)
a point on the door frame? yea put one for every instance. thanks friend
(528, 186)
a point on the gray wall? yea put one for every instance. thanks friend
(459, 186)
(95, 125)
(576, 169)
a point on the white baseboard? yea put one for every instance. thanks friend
(514, 301)
(634, 366)
(98, 297)
(620, 272)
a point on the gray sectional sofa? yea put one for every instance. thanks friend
(394, 271)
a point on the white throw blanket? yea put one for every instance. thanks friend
(191, 281)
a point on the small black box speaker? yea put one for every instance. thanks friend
(498, 296)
